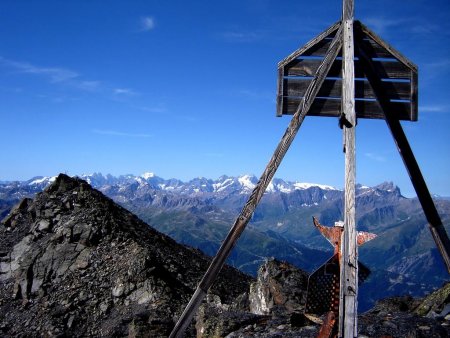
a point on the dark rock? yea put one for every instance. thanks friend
(279, 284)
(436, 304)
(76, 264)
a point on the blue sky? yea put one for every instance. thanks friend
(187, 89)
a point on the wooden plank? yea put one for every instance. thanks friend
(414, 96)
(332, 108)
(375, 50)
(310, 44)
(385, 69)
(333, 88)
(280, 89)
(383, 44)
(247, 211)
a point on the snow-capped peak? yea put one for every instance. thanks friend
(247, 181)
(147, 175)
(41, 180)
(301, 186)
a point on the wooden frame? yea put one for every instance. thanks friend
(399, 76)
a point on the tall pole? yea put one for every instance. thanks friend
(349, 261)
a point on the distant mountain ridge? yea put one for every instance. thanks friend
(201, 184)
(199, 213)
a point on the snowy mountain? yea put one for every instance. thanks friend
(199, 213)
(225, 184)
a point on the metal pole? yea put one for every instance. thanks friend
(348, 304)
(246, 213)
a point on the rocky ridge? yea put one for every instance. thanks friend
(73, 263)
(276, 303)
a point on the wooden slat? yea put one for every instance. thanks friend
(310, 44)
(385, 69)
(376, 51)
(280, 89)
(332, 108)
(414, 96)
(333, 88)
(383, 45)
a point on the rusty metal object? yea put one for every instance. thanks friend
(363, 237)
(323, 288)
(324, 283)
(332, 234)
(326, 330)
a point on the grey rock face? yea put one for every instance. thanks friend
(73, 263)
(275, 308)
(279, 284)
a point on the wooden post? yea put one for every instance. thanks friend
(257, 193)
(348, 304)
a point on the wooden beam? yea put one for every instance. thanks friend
(386, 69)
(436, 227)
(332, 108)
(384, 45)
(257, 193)
(318, 45)
(310, 44)
(333, 88)
(348, 305)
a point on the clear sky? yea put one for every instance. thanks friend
(187, 88)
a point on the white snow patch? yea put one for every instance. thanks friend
(221, 186)
(147, 175)
(270, 187)
(43, 180)
(284, 189)
(246, 182)
(302, 186)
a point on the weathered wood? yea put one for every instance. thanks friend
(333, 88)
(436, 227)
(257, 193)
(383, 44)
(314, 46)
(398, 73)
(348, 306)
(280, 88)
(332, 108)
(414, 95)
(319, 39)
(385, 69)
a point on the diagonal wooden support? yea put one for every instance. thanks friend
(436, 227)
(257, 193)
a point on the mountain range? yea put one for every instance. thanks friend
(73, 263)
(403, 258)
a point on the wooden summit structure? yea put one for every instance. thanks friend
(346, 72)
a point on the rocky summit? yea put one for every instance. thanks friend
(73, 263)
